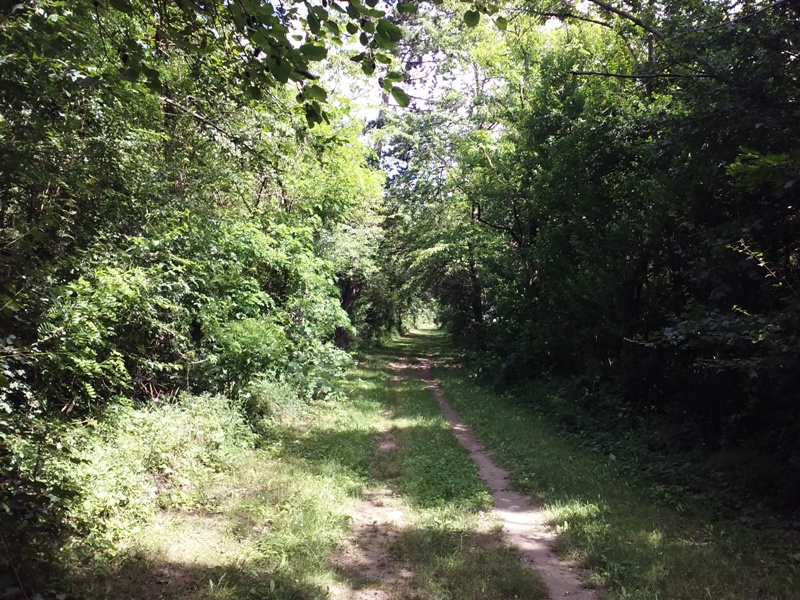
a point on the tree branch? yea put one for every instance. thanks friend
(504, 228)
(237, 141)
(563, 16)
(659, 35)
(642, 75)
(628, 16)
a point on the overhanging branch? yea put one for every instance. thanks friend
(642, 75)
(710, 69)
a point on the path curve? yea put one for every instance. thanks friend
(523, 521)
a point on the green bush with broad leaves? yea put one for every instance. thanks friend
(99, 335)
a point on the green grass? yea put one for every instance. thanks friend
(259, 524)
(452, 546)
(179, 502)
(436, 472)
(454, 561)
(608, 522)
(233, 519)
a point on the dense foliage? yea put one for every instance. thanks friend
(607, 195)
(162, 232)
(601, 195)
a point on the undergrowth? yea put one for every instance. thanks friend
(107, 475)
(228, 513)
(191, 499)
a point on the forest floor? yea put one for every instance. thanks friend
(386, 494)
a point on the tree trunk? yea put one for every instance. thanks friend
(476, 297)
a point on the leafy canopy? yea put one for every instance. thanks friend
(256, 46)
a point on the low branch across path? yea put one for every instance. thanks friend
(523, 521)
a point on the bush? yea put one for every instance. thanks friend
(265, 401)
(71, 500)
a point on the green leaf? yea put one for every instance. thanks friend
(315, 92)
(471, 18)
(381, 41)
(280, 70)
(390, 30)
(406, 8)
(383, 59)
(352, 28)
(320, 12)
(89, 389)
(122, 5)
(358, 7)
(400, 97)
(254, 92)
(502, 23)
(313, 23)
(313, 52)
(313, 114)
(88, 81)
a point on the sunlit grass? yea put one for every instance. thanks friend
(267, 527)
(436, 470)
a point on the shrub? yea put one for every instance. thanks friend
(73, 490)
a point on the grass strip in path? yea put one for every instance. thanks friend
(450, 547)
(607, 521)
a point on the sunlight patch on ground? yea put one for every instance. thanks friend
(560, 514)
(184, 538)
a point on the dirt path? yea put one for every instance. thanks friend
(523, 522)
(378, 518)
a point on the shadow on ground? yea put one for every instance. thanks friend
(442, 562)
(140, 577)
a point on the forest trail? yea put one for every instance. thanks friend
(372, 571)
(523, 521)
(379, 516)
(385, 493)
